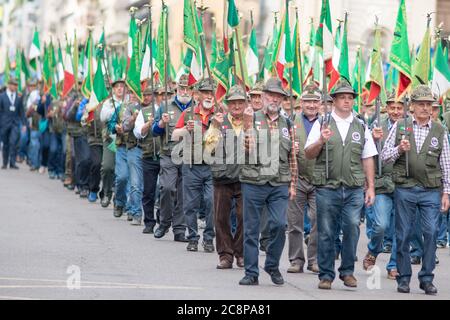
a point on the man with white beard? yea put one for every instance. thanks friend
(197, 176)
(171, 196)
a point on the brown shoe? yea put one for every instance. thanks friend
(295, 268)
(349, 281)
(392, 274)
(224, 264)
(67, 182)
(314, 268)
(369, 261)
(240, 262)
(325, 284)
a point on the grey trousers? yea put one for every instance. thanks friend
(171, 197)
(107, 170)
(306, 195)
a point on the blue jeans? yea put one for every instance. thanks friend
(407, 202)
(444, 224)
(368, 213)
(307, 223)
(134, 160)
(33, 149)
(255, 198)
(197, 184)
(23, 143)
(416, 241)
(56, 159)
(334, 205)
(122, 179)
(390, 232)
(380, 220)
(44, 148)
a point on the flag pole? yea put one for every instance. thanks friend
(241, 64)
(327, 114)
(165, 72)
(152, 85)
(299, 50)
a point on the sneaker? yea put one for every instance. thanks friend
(275, 276)
(52, 175)
(295, 268)
(105, 202)
(369, 261)
(208, 246)
(136, 221)
(441, 245)
(249, 281)
(192, 246)
(42, 170)
(129, 217)
(387, 248)
(92, 197)
(201, 224)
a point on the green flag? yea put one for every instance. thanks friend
(35, 51)
(86, 88)
(399, 56)
(358, 78)
(343, 67)
(422, 67)
(162, 51)
(297, 71)
(375, 84)
(133, 79)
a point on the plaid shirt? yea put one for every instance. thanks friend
(391, 152)
(273, 125)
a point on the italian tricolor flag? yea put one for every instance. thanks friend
(441, 74)
(284, 51)
(69, 76)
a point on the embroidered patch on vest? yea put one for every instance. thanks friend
(434, 142)
(356, 137)
(285, 132)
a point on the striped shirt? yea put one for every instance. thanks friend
(391, 152)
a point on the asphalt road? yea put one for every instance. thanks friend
(50, 239)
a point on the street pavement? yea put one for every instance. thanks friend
(50, 239)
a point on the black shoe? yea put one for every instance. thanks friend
(14, 167)
(436, 260)
(160, 232)
(249, 281)
(129, 217)
(208, 246)
(275, 276)
(118, 211)
(428, 287)
(192, 246)
(180, 238)
(3, 167)
(70, 187)
(105, 202)
(403, 287)
(148, 229)
(415, 260)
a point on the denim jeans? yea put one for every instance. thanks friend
(122, 179)
(407, 202)
(380, 220)
(333, 206)
(390, 232)
(197, 184)
(255, 198)
(369, 215)
(307, 223)
(56, 159)
(443, 228)
(134, 160)
(82, 162)
(416, 240)
(44, 148)
(33, 149)
(23, 142)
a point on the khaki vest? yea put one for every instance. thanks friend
(345, 163)
(129, 137)
(257, 173)
(227, 173)
(150, 145)
(305, 166)
(174, 114)
(424, 167)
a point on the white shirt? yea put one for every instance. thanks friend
(138, 126)
(33, 98)
(11, 96)
(343, 125)
(108, 109)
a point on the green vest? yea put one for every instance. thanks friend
(259, 173)
(344, 158)
(424, 167)
(174, 114)
(150, 145)
(384, 183)
(121, 139)
(129, 137)
(305, 166)
(95, 130)
(227, 173)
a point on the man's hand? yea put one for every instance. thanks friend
(377, 133)
(218, 120)
(248, 118)
(445, 203)
(404, 146)
(370, 197)
(165, 119)
(325, 134)
(119, 129)
(292, 194)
